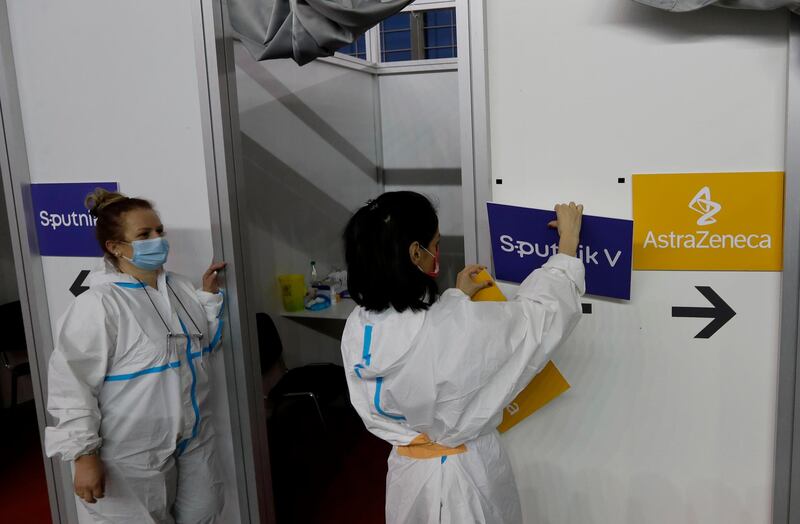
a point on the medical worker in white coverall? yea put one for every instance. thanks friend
(129, 379)
(431, 375)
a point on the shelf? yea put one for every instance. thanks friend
(340, 311)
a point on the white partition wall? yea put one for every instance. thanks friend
(421, 151)
(310, 157)
(129, 93)
(318, 141)
(658, 426)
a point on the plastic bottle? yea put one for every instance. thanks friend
(314, 279)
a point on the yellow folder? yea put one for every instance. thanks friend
(545, 386)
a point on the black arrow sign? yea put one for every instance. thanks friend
(77, 287)
(721, 312)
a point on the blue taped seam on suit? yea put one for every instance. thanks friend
(366, 356)
(378, 386)
(130, 285)
(214, 341)
(378, 381)
(209, 348)
(148, 371)
(182, 445)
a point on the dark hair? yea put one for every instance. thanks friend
(108, 207)
(380, 273)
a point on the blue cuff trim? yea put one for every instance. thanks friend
(222, 306)
(216, 339)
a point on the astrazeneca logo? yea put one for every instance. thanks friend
(707, 208)
(704, 239)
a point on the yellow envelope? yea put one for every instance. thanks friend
(545, 386)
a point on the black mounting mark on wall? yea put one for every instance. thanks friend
(499, 181)
(586, 308)
(620, 180)
(721, 312)
(77, 287)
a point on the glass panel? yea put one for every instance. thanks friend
(444, 52)
(396, 38)
(399, 21)
(357, 49)
(439, 27)
(437, 17)
(443, 37)
(439, 35)
(399, 41)
(396, 56)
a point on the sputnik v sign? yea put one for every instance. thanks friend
(522, 242)
(63, 225)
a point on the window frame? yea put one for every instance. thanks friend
(415, 65)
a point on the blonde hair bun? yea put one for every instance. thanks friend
(101, 198)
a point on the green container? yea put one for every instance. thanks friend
(293, 291)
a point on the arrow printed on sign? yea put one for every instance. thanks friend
(77, 287)
(721, 312)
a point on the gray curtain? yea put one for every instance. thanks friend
(305, 29)
(691, 5)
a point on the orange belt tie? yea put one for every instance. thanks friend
(422, 448)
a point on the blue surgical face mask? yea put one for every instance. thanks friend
(149, 254)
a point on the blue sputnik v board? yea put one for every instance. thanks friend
(523, 242)
(64, 226)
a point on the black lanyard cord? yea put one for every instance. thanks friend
(160, 316)
(199, 332)
(166, 326)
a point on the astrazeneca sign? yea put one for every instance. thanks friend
(522, 242)
(64, 227)
(708, 221)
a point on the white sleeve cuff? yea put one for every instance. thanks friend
(211, 302)
(209, 299)
(570, 267)
(69, 444)
(455, 293)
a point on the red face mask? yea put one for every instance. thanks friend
(435, 272)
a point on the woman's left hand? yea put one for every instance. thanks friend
(466, 280)
(210, 283)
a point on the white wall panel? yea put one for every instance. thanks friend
(108, 92)
(658, 426)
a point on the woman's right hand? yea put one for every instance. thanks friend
(90, 478)
(568, 222)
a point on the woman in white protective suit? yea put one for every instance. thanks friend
(129, 378)
(431, 375)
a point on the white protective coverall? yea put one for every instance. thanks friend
(448, 373)
(117, 384)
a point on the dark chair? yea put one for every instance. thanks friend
(321, 384)
(14, 344)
